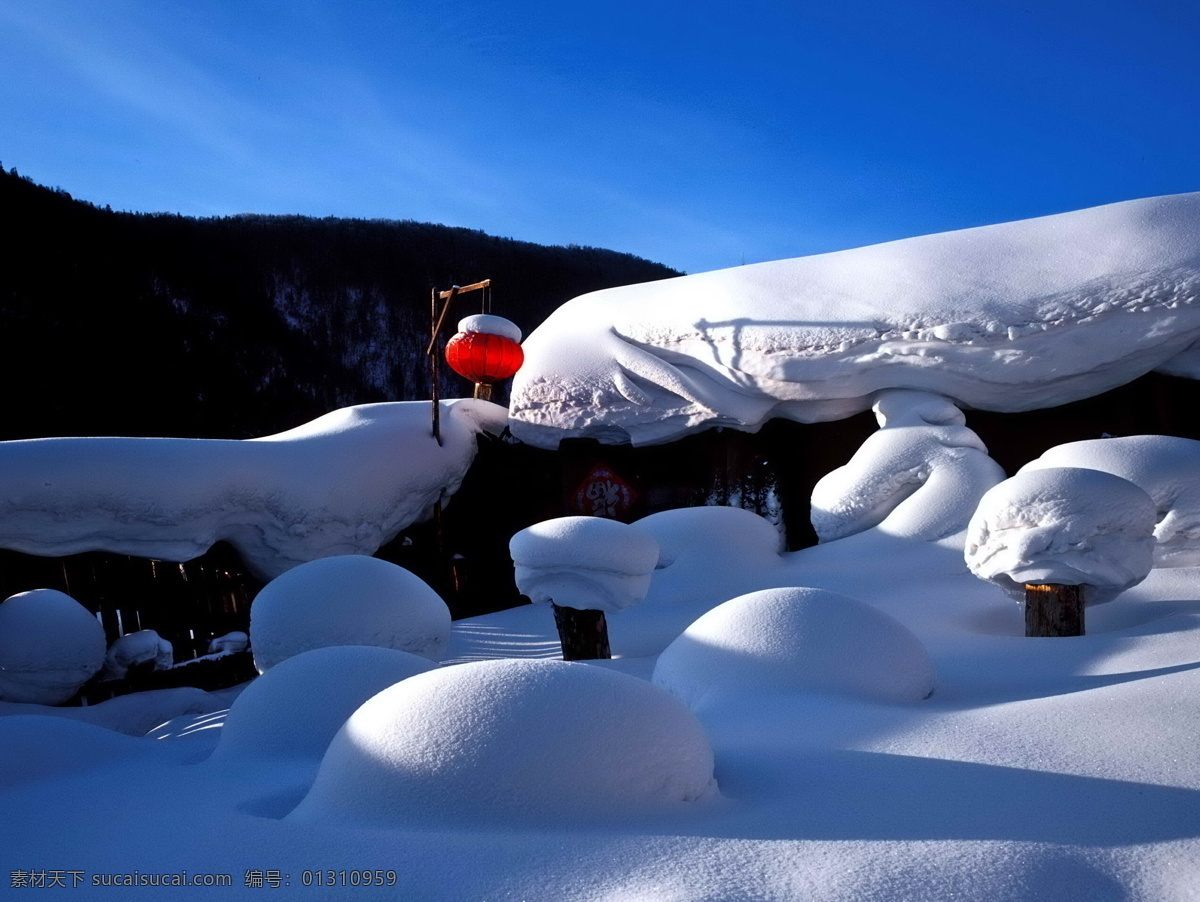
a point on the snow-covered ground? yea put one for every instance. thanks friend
(1044, 769)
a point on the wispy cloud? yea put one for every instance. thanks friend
(133, 70)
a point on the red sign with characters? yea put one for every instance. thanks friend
(603, 494)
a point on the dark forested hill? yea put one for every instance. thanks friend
(153, 324)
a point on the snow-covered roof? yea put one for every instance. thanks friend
(344, 483)
(1008, 317)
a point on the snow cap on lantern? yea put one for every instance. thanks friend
(485, 349)
(488, 324)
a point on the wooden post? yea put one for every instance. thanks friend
(431, 353)
(583, 634)
(1052, 609)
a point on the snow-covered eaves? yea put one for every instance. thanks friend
(345, 483)
(1008, 317)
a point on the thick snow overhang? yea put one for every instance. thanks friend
(1009, 317)
(345, 483)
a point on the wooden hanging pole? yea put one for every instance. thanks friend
(448, 297)
(431, 352)
(475, 286)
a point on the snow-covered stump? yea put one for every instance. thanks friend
(1165, 467)
(584, 567)
(1059, 539)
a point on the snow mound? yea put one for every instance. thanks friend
(34, 747)
(510, 738)
(50, 645)
(920, 476)
(796, 640)
(347, 600)
(1063, 525)
(230, 643)
(706, 552)
(588, 563)
(132, 649)
(1015, 316)
(295, 708)
(1165, 467)
(345, 483)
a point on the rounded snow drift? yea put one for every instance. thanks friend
(37, 746)
(707, 552)
(50, 645)
(230, 643)
(796, 640)
(137, 649)
(588, 563)
(347, 600)
(295, 709)
(506, 738)
(1063, 525)
(732, 533)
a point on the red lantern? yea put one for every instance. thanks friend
(483, 358)
(486, 349)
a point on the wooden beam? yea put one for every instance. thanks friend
(464, 289)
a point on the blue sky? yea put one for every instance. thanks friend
(701, 136)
